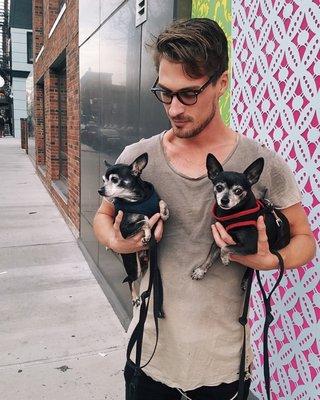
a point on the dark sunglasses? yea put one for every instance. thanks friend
(187, 97)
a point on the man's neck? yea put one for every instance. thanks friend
(188, 155)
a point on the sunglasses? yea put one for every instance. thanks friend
(187, 97)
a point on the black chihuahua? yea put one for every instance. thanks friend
(237, 209)
(139, 201)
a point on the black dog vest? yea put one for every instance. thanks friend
(148, 206)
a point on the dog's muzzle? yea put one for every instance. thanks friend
(102, 191)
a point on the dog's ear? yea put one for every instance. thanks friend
(139, 164)
(254, 171)
(213, 166)
(107, 164)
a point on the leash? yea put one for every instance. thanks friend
(136, 338)
(243, 321)
(268, 320)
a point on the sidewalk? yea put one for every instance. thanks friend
(59, 337)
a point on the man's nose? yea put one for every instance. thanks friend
(175, 108)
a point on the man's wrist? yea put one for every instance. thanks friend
(275, 261)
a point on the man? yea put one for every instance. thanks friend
(200, 338)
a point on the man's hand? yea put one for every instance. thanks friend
(134, 243)
(262, 260)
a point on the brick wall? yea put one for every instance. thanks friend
(39, 117)
(62, 45)
(37, 21)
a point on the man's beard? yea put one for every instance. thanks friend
(188, 134)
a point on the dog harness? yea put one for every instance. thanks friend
(240, 219)
(148, 206)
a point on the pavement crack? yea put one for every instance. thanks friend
(45, 361)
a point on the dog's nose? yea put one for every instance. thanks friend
(101, 191)
(224, 201)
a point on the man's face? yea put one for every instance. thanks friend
(188, 121)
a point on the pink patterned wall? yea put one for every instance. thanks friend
(276, 99)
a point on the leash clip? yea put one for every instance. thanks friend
(277, 219)
(269, 206)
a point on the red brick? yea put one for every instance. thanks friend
(64, 38)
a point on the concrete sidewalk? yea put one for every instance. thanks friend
(59, 337)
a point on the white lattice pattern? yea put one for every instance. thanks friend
(276, 98)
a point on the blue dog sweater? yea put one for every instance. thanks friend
(148, 206)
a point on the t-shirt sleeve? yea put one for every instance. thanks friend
(283, 191)
(123, 157)
(130, 153)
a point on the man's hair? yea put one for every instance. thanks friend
(199, 44)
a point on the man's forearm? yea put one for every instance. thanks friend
(300, 250)
(103, 228)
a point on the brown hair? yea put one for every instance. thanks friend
(199, 44)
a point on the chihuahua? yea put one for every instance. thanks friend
(237, 209)
(138, 200)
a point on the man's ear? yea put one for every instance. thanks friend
(223, 83)
(213, 166)
(139, 164)
(254, 171)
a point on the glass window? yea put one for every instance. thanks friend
(29, 48)
(63, 140)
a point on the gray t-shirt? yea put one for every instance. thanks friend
(200, 339)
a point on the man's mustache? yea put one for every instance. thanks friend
(185, 119)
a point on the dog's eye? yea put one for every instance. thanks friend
(219, 188)
(114, 179)
(238, 191)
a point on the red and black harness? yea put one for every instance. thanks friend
(248, 218)
(240, 219)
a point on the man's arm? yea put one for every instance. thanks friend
(300, 250)
(106, 227)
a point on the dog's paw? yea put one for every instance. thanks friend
(143, 257)
(164, 210)
(244, 285)
(145, 240)
(198, 273)
(224, 254)
(136, 302)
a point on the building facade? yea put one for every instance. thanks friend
(5, 70)
(56, 102)
(21, 57)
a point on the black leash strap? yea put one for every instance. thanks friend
(243, 321)
(268, 320)
(137, 334)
